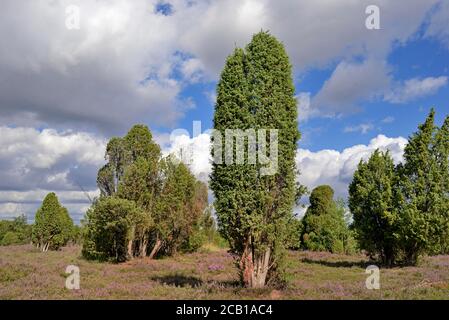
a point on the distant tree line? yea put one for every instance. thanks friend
(15, 232)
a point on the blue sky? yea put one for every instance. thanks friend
(419, 58)
(68, 83)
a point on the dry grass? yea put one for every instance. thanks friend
(26, 273)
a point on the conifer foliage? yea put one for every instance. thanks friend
(255, 92)
(324, 227)
(371, 201)
(53, 226)
(148, 204)
(401, 212)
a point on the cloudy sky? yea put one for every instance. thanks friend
(65, 90)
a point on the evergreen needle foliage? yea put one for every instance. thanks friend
(149, 205)
(401, 212)
(53, 226)
(256, 91)
(323, 226)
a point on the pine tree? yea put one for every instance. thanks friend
(256, 92)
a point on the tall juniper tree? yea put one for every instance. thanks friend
(441, 154)
(420, 202)
(256, 92)
(372, 203)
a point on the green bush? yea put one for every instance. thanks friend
(338, 246)
(10, 238)
(53, 226)
(324, 227)
(16, 231)
(109, 229)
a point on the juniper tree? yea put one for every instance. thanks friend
(132, 173)
(441, 154)
(110, 227)
(123, 152)
(255, 92)
(420, 203)
(423, 188)
(53, 226)
(177, 210)
(323, 225)
(158, 200)
(372, 203)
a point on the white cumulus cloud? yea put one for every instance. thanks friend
(416, 88)
(336, 168)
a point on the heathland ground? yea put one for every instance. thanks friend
(27, 273)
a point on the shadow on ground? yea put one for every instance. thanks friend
(337, 264)
(192, 281)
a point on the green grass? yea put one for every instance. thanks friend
(26, 273)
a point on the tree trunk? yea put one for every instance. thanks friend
(254, 267)
(388, 257)
(246, 266)
(143, 246)
(130, 249)
(260, 271)
(156, 248)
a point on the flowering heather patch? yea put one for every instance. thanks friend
(26, 273)
(215, 267)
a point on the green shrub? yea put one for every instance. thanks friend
(53, 226)
(10, 238)
(324, 227)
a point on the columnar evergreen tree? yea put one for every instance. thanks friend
(441, 153)
(423, 202)
(372, 203)
(323, 226)
(53, 226)
(256, 92)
